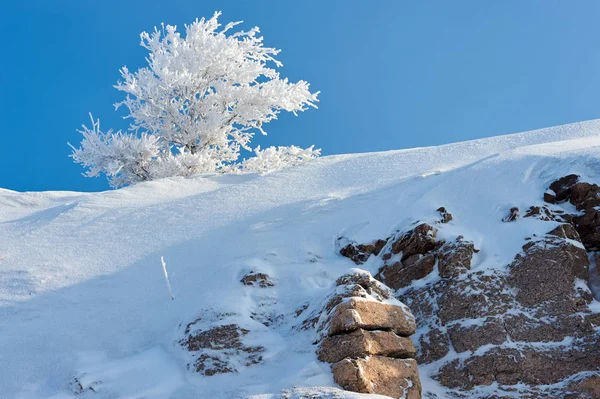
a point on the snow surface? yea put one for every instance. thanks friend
(83, 294)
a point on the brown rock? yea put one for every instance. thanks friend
(543, 213)
(352, 252)
(588, 227)
(561, 189)
(358, 313)
(549, 197)
(472, 337)
(585, 387)
(585, 195)
(420, 240)
(594, 276)
(359, 253)
(565, 230)
(512, 215)
(397, 378)
(374, 248)
(433, 346)
(421, 302)
(478, 295)
(525, 328)
(358, 283)
(261, 280)
(355, 284)
(545, 271)
(586, 198)
(361, 343)
(402, 274)
(527, 364)
(455, 257)
(446, 216)
(364, 279)
(215, 347)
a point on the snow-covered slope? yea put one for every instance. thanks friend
(82, 291)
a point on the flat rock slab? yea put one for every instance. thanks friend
(358, 313)
(361, 343)
(397, 378)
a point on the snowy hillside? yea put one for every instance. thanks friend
(83, 299)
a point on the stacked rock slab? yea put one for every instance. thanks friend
(366, 338)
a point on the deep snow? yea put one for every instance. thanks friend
(82, 290)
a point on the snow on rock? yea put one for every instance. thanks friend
(367, 338)
(83, 302)
(533, 323)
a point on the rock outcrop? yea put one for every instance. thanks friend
(526, 327)
(365, 334)
(541, 333)
(560, 190)
(586, 199)
(217, 346)
(261, 280)
(359, 253)
(446, 217)
(414, 255)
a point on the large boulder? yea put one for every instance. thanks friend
(361, 343)
(370, 315)
(356, 283)
(396, 378)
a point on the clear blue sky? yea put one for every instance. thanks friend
(392, 74)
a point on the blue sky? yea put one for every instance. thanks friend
(392, 74)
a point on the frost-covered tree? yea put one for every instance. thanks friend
(278, 158)
(199, 101)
